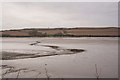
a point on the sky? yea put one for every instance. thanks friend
(59, 0)
(19, 15)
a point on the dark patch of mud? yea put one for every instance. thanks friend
(12, 55)
(59, 48)
(59, 51)
(53, 47)
(76, 50)
(6, 66)
(37, 42)
(6, 69)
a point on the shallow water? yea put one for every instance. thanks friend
(100, 51)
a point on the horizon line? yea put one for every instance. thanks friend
(57, 28)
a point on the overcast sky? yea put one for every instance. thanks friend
(59, 14)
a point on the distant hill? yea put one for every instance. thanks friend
(62, 32)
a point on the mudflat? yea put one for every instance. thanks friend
(60, 57)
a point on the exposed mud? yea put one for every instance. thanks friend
(59, 51)
(35, 43)
(6, 70)
(53, 47)
(10, 69)
(12, 55)
(76, 50)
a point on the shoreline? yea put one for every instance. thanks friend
(58, 51)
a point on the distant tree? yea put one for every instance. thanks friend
(58, 34)
(64, 31)
(33, 33)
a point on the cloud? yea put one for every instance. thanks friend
(59, 14)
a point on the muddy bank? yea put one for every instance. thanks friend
(18, 72)
(37, 42)
(7, 70)
(59, 51)
(10, 69)
(13, 55)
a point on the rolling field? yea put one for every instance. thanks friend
(60, 32)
